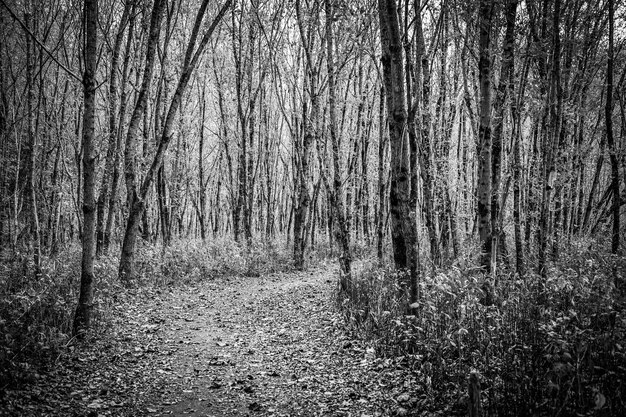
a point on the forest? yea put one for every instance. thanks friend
(312, 207)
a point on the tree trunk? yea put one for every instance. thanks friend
(115, 181)
(426, 154)
(403, 225)
(552, 138)
(113, 133)
(517, 168)
(485, 138)
(613, 148)
(342, 233)
(201, 183)
(382, 142)
(135, 207)
(31, 217)
(189, 64)
(303, 153)
(502, 94)
(82, 317)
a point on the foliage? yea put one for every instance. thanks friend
(36, 311)
(541, 349)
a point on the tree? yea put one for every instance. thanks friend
(113, 145)
(551, 142)
(613, 149)
(310, 121)
(484, 135)
(138, 198)
(130, 152)
(82, 317)
(503, 94)
(342, 232)
(403, 226)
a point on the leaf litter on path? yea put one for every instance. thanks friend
(259, 346)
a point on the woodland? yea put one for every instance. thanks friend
(312, 207)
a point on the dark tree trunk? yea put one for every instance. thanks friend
(84, 309)
(192, 56)
(135, 207)
(112, 149)
(403, 223)
(342, 233)
(613, 148)
(552, 138)
(502, 95)
(485, 139)
(382, 143)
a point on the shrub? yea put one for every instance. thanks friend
(36, 311)
(564, 355)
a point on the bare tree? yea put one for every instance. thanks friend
(82, 318)
(403, 223)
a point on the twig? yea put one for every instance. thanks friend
(66, 69)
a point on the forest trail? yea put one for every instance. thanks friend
(272, 345)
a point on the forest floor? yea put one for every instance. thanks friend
(272, 345)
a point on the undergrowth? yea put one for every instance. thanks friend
(555, 351)
(36, 312)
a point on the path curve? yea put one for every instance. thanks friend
(271, 345)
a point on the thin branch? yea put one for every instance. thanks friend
(14, 16)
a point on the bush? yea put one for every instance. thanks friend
(188, 261)
(36, 311)
(561, 356)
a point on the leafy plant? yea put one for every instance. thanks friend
(564, 355)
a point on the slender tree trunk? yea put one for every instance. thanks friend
(382, 143)
(426, 153)
(485, 137)
(303, 153)
(82, 318)
(613, 148)
(201, 183)
(113, 133)
(502, 94)
(551, 142)
(115, 181)
(403, 223)
(192, 56)
(517, 168)
(342, 233)
(135, 207)
(30, 155)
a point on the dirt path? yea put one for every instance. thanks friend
(265, 346)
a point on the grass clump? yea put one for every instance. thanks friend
(555, 351)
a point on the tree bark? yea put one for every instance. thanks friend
(552, 138)
(342, 233)
(403, 225)
(613, 148)
(82, 317)
(485, 138)
(502, 95)
(192, 56)
(303, 153)
(426, 152)
(382, 144)
(135, 207)
(115, 181)
(31, 217)
(113, 132)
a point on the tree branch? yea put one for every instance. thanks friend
(29, 33)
